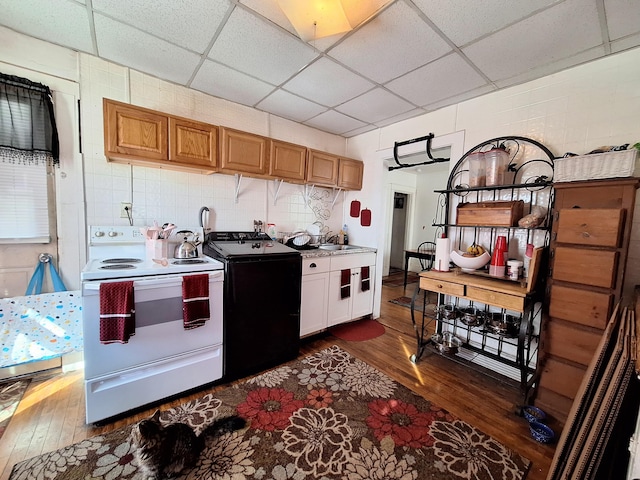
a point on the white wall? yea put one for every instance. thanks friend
(572, 111)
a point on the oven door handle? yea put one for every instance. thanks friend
(161, 281)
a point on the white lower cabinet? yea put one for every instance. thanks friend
(359, 303)
(315, 295)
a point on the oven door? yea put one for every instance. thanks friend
(159, 334)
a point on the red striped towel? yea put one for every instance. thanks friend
(117, 312)
(364, 279)
(195, 300)
(345, 283)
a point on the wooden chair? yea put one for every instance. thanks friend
(427, 262)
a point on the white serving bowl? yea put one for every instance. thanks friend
(469, 264)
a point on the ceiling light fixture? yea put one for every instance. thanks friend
(314, 19)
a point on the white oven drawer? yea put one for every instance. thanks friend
(119, 392)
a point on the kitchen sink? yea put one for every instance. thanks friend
(338, 247)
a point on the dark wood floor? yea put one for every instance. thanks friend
(51, 413)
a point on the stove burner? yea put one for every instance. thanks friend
(117, 266)
(121, 260)
(188, 261)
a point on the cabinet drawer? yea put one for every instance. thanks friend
(588, 267)
(315, 265)
(498, 299)
(598, 228)
(580, 306)
(438, 286)
(569, 342)
(352, 260)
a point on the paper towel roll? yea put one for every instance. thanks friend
(443, 252)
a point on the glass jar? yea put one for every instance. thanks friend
(496, 163)
(476, 169)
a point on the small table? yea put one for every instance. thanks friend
(425, 254)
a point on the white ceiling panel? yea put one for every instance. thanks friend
(375, 105)
(463, 21)
(126, 45)
(224, 82)
(290, 106)
(408, 57)
(391, 45)
(462, 78)
(623, 17)
(547, 37)
(335, 122)
(256, 47)
(43, 20)
(316, 81)
(187, 23)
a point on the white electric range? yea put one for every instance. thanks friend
(162, 358)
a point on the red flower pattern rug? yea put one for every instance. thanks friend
(327, 416)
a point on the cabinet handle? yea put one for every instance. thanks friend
(586, 234)
(312, 265)
(439, 285)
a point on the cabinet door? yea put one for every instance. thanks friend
(584, 307)
(314, 304)
(596, 228)
(243, 152)
(134, 132)
(287, 161)
(339, 308)
(597, 268)
(193, 143)
(362, 300)
(350, 174)
(322, 168)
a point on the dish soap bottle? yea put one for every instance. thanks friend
(346, 237)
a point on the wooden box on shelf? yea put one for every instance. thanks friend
(495, 214)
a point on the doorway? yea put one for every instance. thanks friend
(398, 230)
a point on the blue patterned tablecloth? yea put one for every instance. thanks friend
(37, 327)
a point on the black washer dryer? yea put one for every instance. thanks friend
(261, 300)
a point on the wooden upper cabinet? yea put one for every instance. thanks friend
(287, 161)
(350, 174)
(193, 143)
(322, 168)
(140, 136)
(133, 132)
(242, 152)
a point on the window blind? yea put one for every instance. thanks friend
(24, 210)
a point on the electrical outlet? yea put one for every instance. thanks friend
(125, 210)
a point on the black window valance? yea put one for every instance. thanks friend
(27, 123)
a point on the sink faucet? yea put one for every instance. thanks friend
(332, 239)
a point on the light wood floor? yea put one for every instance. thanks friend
(51, 413)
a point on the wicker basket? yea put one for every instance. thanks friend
(624, 163)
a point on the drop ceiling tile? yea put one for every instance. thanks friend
(476, 92)
(270, 10)
(375, 105)
(623, 18)
(359, 131)
(446, 77)
(392, 44)
(127, 46)
(313, 82)
(463, 21)
(43, 19)
(256, 47)
(555, 34)
(187, 23)
(224, 82)
(334, 122)
(403, 116)
(288, 105)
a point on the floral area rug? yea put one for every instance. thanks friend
(327, 416)
(10, 395)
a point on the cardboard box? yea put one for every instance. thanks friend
(491, 214)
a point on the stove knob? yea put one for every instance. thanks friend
(99, 233)
(113, 234)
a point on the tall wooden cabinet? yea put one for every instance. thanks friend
(592, 223)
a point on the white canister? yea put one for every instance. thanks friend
(514, 269)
